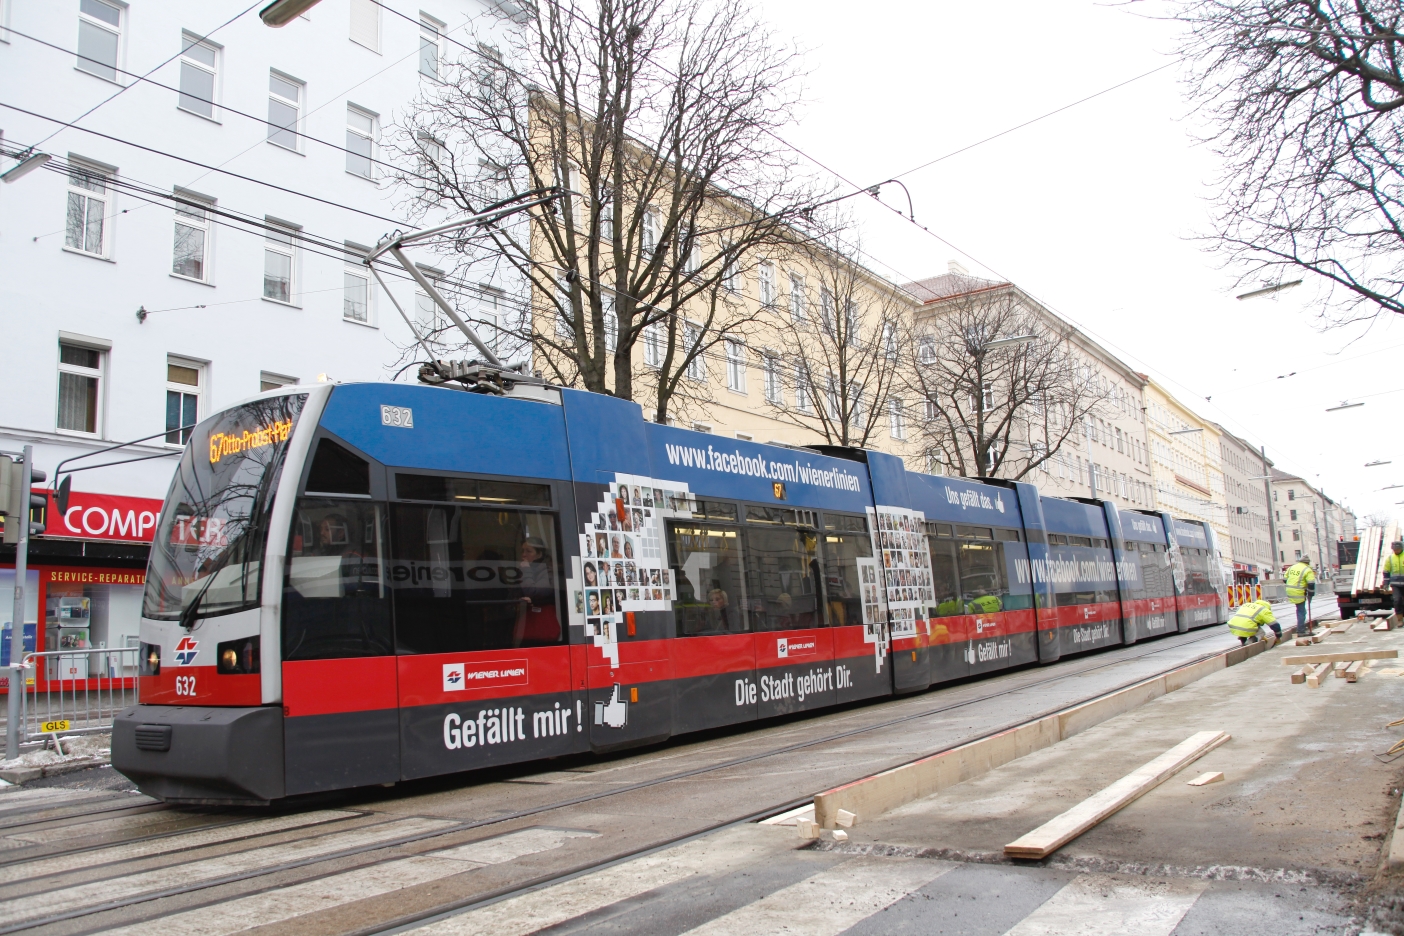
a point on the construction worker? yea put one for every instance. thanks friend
(1394, 577)
(1301, 586)
(1253, 620)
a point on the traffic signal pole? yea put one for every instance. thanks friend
(19, 507)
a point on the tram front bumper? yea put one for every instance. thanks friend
(205, 755)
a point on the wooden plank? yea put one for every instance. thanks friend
(1299, 676)
(1340, 666)
(1213, 776)
(1353, 671)
(1321, 671)
(1350, 656)
(1057, 832)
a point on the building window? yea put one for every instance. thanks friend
(701, 427)
(611, 323)
(697, 365)
(926, 350)
(284, 110)
(565, 312)
(280, 263)
(85, 229)
(798, 312)
(182, 400)
(190, 257)
(774, 384)
(365, 24)
(765, 282)
(653, 345)
(360, 142)
(889, 340)
(429, 46)
(79, 388)
(932, 409)
(648, 235)
(826, 310)
(267, 380)
(1292, 514)
(1291, 493)
(99, 34)
(731, 271)
(804, 399)
(355, 290)
(896, 421)
(735, 366)
(198, 68)
(935, 463)
(489, 315)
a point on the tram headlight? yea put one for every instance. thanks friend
(237, 656)
(150, 662)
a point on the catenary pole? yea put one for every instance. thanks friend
(1272, 523)
(16, 688)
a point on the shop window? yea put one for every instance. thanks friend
(468, 578)
(706, 563)
(335, 594)
(91, 615)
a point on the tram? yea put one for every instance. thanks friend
(367, 583)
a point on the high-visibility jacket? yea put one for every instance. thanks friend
(985, 604)
(1248, 618)
(949, 607)
(1394, 568)
(1298, 577)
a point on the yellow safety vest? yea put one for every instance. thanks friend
(1394, 568)
(1247, 619)
(1298, 577)
(985, 604)
(948, 608)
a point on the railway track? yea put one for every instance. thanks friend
(133, 870)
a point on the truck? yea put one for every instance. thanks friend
(1358, 589)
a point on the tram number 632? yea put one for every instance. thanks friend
(185, 685)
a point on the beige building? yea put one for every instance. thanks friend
(1185, 463)
(1308, 522)
(1109, 448)
(1245, 470)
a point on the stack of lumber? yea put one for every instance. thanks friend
(1350, 665)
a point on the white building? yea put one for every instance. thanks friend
(192, 240)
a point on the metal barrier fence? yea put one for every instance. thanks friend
(76, 691)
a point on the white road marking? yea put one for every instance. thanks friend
(31, 906)
(289, 902)
(1101, 905)
(97, 825)
(192, 839)
(829, 902)
(528, 913)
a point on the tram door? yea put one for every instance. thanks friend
(714, 651)
(484, 674)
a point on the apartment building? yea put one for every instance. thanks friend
(1245, 473)
(1308, 522)
(193, 240)
(1107, 452)
(1188, 478)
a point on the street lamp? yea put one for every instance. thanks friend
(29, 160)
(1343, 405)
(283, 12)
(1374, 464)
(1185, 431)
(1270, 289)
(1010, 342)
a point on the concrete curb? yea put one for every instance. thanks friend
(18, 775)
(889, 789)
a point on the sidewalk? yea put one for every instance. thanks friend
(1304, 799)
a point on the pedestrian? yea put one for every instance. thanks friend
(1394, 578)
(1254, 620)
(1301, 586)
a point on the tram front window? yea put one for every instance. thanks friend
(207, 555)
(466, 579)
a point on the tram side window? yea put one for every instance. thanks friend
(845, 542)
(945, 577)
(782, 566)
(984, 586)
(469, 579)
(706, 564)
(336, 600)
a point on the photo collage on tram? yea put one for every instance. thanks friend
(899, 538)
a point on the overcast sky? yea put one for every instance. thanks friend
(1092, 210)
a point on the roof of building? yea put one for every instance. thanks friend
(946, 285)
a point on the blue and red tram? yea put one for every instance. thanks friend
(368, 583)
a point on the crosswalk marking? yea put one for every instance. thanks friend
(194, 839)
(536, 910)
(1101, 905)
(32, 906)
(337, 889)
(829, 902)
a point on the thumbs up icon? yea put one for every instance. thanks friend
(615, 712)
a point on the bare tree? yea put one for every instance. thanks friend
(658, 118)
(992, 406)
(1304, 100)
(839, 347)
